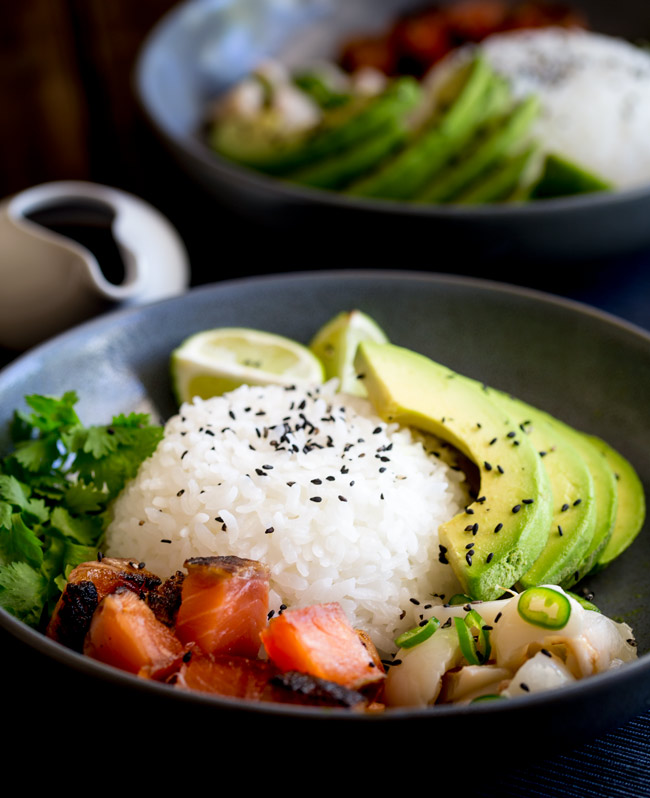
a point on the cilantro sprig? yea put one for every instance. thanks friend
(55, 490)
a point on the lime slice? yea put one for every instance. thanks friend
(215, 361)
(336, 344)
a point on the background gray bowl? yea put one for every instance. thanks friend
(588, 368)
(203, 46)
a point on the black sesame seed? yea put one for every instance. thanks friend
(376, 430)
(316, 499)
(181, 492)
(162, 540)
(270, 615)
(414, 601)
(342, 499)
(316, 481)
(524, 687)
(269, 531)
(498, 617)
(446, 624)
(546, 652)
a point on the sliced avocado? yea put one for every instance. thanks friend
(631, 504)
(438, 140)
(508, 524)
(606, 498)
(562, 178)
(574, 495)
(342, 128)
(500, 183)
(342, 168)
(489, 148)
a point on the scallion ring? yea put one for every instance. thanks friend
(474, 640)
(417, 635)
(544, 607)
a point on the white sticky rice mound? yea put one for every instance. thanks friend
(340, 505)
(594, 92)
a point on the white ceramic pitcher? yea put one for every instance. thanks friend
(49, 282)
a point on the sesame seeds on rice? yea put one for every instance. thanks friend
(340, 505)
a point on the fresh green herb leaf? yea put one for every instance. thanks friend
(22, 591)
(55, 491)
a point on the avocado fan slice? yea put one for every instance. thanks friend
(499, 536)
(343, 127)
(439, 139)
(607, 500)
(561, 177)
(494, 144)
(342, 168)
(501, 182)
(574, 495)
(630, 514)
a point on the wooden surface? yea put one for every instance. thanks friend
(65, 86)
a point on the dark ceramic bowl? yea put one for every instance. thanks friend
(587, 368)
(202, 47)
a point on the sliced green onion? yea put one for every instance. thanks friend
(417, 635)
(473, 638)
(487, 697)
(582, 601)
(544, 607)
(459, 598)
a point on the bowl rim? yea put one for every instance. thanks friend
(192, 145)
(591, 688)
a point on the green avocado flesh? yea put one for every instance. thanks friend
(588, 502)
(563, 178)
(631, 504)
(574, 495)
(508, 524)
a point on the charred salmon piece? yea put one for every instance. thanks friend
(301, 688)
(125, 633)
(88, 583)
(319, 640)
(224, 605)
(228, 676)
(239, 677)
(165, 599)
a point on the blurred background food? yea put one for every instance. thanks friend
(67, 79)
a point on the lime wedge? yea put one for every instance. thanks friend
(212, 362)
(335, 344)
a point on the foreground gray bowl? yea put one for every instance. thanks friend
(200, 48)
(588, 368)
